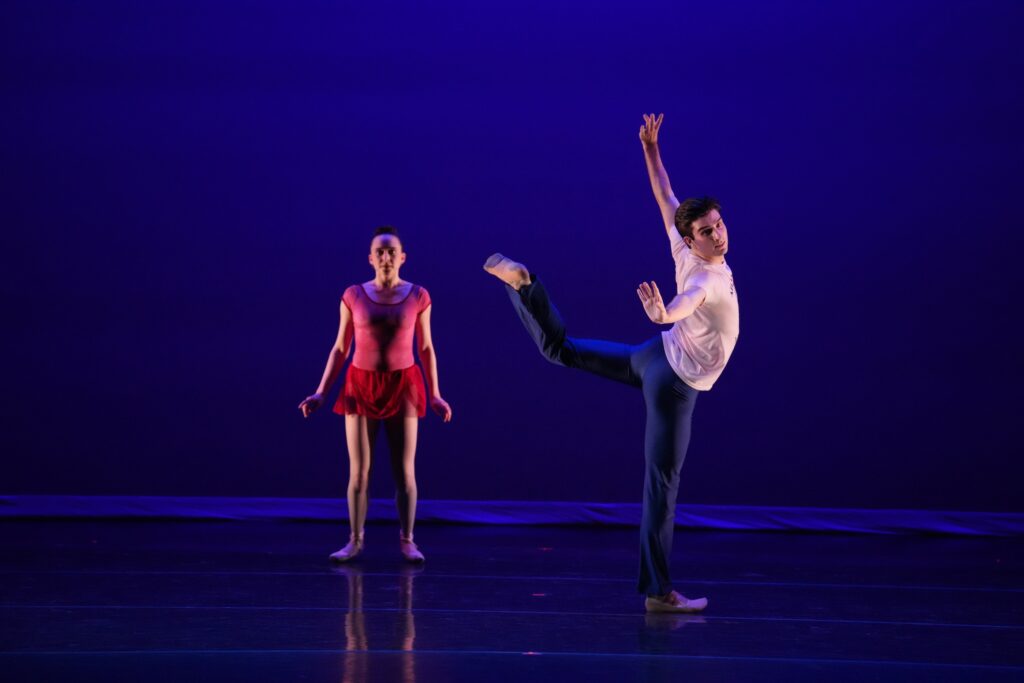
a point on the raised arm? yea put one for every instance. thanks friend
(429, 360)
(662, 188)
(335, 361)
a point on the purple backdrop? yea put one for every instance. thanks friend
(190, 186)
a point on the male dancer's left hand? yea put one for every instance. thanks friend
(654, 305)
(649, 131)
(441, 407)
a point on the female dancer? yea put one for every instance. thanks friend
(383, 385)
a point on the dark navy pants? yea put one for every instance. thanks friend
(669, 403)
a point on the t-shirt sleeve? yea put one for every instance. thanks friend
(706, 282)
(678, 246)
(349, 297)
(424, 299)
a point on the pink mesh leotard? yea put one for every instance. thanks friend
(383, 379)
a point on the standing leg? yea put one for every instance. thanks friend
(670, 403)
(401, 433)
(361, 433)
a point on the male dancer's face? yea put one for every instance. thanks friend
(386, 255)
(710, 237)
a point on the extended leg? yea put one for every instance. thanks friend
(545, 326)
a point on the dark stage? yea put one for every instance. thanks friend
(245, 601)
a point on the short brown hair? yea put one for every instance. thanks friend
(694, 209)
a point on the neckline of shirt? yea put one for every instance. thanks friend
(387, 303)
(707, 264)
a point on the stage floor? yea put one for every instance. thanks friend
(253, 601)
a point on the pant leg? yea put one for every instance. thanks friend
(545, 326)
(670, 403)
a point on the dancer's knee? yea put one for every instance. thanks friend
(561, 352)
(357, 483)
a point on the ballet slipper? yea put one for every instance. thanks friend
(510, 272)
(674, 602)
(410, 552)
(350, 551)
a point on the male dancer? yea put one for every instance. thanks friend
(670, 369)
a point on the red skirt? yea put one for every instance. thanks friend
(380, 395)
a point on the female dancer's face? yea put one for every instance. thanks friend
(386, 256)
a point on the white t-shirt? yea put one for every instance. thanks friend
(699, 345)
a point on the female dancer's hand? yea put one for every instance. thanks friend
(654, 306)
(311, 403)
(649, 131)
(441, 407)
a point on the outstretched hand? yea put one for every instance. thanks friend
(649, 131)
(441, 407)
(654, 305)
(310, 404)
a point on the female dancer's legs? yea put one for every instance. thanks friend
(401, 433)
(361, 434)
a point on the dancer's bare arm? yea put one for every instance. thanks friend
(680, 307)
(335, 361)
(429, 360)
(660, 184)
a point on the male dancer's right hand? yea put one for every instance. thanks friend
(310, 404)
